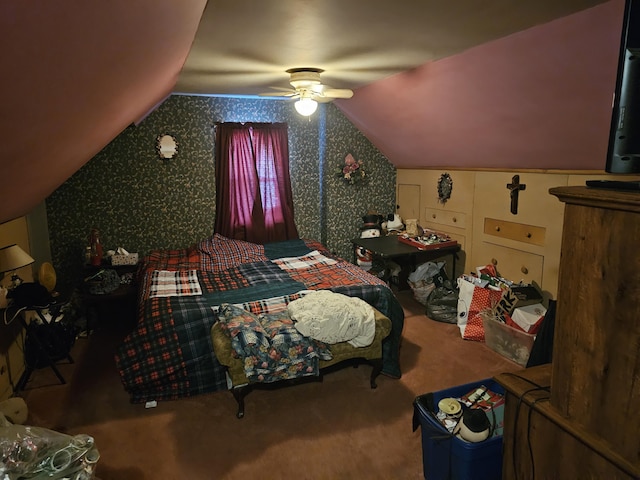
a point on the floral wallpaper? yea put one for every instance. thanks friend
(141, 203)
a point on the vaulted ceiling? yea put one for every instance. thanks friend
(76, 73)
(244, 46)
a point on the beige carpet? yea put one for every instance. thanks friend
(335, 429)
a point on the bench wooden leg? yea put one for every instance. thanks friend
(377, 368)
(239, 393)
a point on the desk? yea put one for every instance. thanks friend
(390, 248)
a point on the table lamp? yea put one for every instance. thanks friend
(12, 257)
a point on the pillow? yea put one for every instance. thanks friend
(248, 338)
(165, 283)
(221, 253)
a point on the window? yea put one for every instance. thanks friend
(253, 188)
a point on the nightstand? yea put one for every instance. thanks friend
(119, 303)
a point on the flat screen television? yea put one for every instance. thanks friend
(623, 154)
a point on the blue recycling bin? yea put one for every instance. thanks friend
(447, 457)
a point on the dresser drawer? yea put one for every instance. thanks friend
(520, 232)
(445, 217)
(512, 264)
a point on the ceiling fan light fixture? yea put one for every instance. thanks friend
(306, 106)
(308, 90)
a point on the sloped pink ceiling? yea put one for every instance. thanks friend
(540, 98)
(75, 73)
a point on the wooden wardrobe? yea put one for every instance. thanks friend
(580, 416)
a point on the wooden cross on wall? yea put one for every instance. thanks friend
(515, 186)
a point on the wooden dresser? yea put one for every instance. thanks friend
(587, 425)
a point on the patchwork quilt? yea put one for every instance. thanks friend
(270, 345)
(169, 353)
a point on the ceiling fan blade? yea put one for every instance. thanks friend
(337, 92)
(284, 93)
(283, 89)
(306, 84)
(322, 99)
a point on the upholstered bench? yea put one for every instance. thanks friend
(340, 352)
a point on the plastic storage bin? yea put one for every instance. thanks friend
(507, 341)
(445, 456)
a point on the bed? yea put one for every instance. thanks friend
(169, 353)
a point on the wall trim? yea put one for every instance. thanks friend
(517, 170)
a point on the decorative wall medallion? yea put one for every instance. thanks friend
(166, 146)
(445, 185)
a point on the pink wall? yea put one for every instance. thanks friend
(540, 98)
(69, 85)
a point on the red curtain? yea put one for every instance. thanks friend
(253, 188)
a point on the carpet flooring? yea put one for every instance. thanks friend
(338, 428)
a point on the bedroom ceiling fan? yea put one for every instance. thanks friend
(308, 90)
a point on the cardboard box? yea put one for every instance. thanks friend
(530, 317)
(118, 259)
(507, 341)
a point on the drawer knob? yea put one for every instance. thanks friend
(433, 215)
(454, 219)
(529, 235)
(524, 270)
(497, 229)
(494, 261)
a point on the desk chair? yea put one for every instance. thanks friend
(48, 340)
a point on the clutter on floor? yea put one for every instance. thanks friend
(462, 431)
(425, 278)
(28, 452)
(486, 307)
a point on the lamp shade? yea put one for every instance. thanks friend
(13, 257)
(306, 106)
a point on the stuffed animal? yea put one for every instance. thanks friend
(370, 229)
(393, 223)
(371, 220)
(370, 233)
(364, 257)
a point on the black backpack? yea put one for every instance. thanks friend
(30, 294)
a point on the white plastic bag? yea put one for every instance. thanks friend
(39, 453)
(421, 280)
(425, 271)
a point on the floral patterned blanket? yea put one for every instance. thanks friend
(169, 353)
(270, 345)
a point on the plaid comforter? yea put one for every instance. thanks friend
(169, 354)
